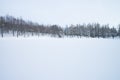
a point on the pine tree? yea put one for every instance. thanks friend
(118, 30)
(113, 32)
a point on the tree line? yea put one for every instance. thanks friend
(19, 27)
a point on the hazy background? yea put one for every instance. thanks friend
(63, 58)
(63, 12)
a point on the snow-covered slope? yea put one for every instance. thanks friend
(59, 59)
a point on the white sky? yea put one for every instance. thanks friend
(63, 12)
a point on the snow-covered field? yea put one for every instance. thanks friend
(59, 59)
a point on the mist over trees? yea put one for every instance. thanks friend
(19, 27)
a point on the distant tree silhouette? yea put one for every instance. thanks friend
(18, 27)
(113, 32)
(118, 30)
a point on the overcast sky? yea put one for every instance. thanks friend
(63, 12)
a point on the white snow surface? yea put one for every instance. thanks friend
(46, 58)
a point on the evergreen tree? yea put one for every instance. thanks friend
(113, 32)
(118, 34)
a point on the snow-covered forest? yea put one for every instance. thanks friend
(59, 39)
(19, 27)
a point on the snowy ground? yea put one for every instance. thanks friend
(59, 59)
